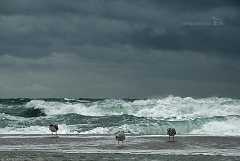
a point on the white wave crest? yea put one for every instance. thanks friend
(57, 108)
(213, 128)
(171, 107)
(98, 130)
(93, 109)
(229, 127)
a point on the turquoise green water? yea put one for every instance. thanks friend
(203, 116)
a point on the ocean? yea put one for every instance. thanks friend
(207, 128)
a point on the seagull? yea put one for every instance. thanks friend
(53, 128)
(120, 136)
(171, 132)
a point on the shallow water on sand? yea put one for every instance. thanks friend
(102, 147)
(40, 156)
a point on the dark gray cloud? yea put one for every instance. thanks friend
(119, 48)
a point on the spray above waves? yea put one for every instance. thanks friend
(174, 108)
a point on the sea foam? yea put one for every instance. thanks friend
(190, 116)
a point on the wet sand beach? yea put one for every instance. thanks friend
(104, 147)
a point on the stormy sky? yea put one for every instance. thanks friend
(119, 48)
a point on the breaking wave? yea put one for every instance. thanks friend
(205, 116)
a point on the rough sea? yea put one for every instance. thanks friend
(207, 128)
(206, 116)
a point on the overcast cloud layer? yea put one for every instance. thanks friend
(119, 48)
